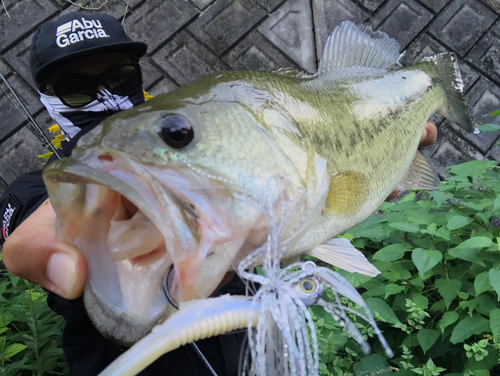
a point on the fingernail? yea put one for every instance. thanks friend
(61, 271)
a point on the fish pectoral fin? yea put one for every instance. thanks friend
(348, 192)
(340, 252)
(358, 48)
(420, 175)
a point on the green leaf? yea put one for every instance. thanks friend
(425, 259)
(377, 234)
(481, 372)
(444, 233)
(392, 289)
(406, 227)
(448, 319)
(368, 364)
(382, 308)
(482, 283)
(495, 281)
(448, 289)
(469, 249)
(392, 252)
(426, 338)
(495, 322)
(469, 326)
(419, 217)
(458, 221)
(14, 349)
(494, 113)
(471, 168)
(496, 204)
(488, 127)
(441, 197)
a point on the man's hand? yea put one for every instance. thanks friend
(33, 252)
(429, 137)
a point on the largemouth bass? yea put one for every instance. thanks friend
(189, 178)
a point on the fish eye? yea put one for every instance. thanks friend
(175, 131)
(307, 285)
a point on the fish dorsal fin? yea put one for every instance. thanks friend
(341, 253)
(420, 175)
(350, 46)
(348, 192)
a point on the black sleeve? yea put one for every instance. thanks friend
(23, 196)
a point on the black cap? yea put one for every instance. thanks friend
(74, 36)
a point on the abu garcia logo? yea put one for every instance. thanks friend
(78, 31)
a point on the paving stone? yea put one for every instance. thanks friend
(269, 5)
(494, 153)
(329, 14)
(12, 117)
(161, 87)
(113, 8)
(132, 4)
(24, 16)
(461, 24)
(185, 60)
(157, 20)
(424, 46)
(451, 150)
(18, 154)
(290, 28)
(486, 53)
(371, 5)
(150, 74)
(3, 185)
(484, 98)
(402, 20)
(255, 52)
(18, 57)
(202, 4)
(226, 22)
(435, 5)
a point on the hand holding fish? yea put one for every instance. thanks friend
(33, 252)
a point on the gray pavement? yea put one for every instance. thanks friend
(189, 39)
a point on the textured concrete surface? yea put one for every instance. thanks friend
(192, 38)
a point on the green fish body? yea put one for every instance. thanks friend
(201, 174)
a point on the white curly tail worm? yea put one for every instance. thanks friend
(195, 320)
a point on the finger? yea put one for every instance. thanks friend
(33, 252)
(429, 135)
(393, 195)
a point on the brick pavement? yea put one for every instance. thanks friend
(192, 38)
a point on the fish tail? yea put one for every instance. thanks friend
(455, 106)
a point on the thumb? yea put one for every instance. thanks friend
(33, 252)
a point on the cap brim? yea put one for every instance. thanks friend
(136, 49)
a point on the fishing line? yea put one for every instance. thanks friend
(35, 127)
(171, 300)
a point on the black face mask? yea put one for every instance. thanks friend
(71, 120)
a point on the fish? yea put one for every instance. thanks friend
(191, 181)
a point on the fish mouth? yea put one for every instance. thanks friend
(132, 222)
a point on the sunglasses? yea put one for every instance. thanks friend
(78, 90)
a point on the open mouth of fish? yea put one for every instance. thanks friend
(132, 222)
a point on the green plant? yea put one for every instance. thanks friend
(437, 297)
(30, 332)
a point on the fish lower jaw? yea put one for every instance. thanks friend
(123, 329)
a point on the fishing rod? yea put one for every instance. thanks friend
(27, 115)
